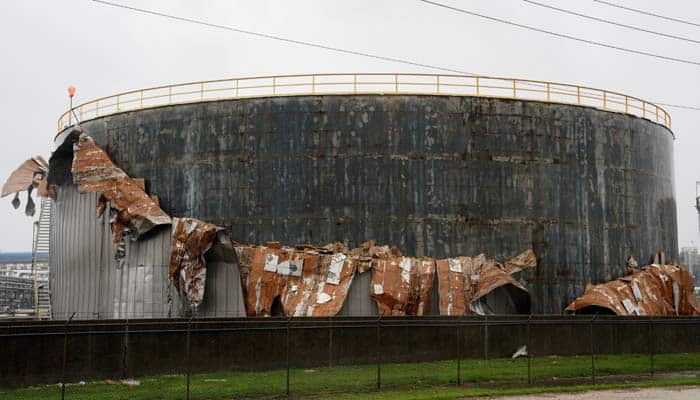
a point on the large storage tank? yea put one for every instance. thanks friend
(436, 174)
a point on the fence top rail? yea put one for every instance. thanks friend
(364, 83)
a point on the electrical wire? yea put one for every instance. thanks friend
(636, 28)
(316, 45)
(562, 35)
(294, 41)
(607, 3)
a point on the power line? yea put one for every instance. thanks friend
(316, 45)
(636, 28)
(607, 3)
(561, 35)
(294, 41)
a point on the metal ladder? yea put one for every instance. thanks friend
(40, 261)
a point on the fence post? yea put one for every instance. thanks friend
(529, 352)
(379, 357)
(330, 343)
(187, 360)
(486, 337)
(651, 345)
(592, 350)
(65, 356)
(286, 362)
(460, 339)
(125, 349)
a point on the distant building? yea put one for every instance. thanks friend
(690, 258)
(17, 283)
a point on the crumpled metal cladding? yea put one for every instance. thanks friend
(94, 171)
(314, 281)
(30, 175)
(655, 290)
(402, 285)
(307, 281)
(463, 281)
(191, 239)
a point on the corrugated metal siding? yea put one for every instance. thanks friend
(359, 303)
(88, 281)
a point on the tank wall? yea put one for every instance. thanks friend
(434, 175)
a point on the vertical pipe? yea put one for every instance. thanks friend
(65, 356)
(189, 368)
(378, 354)
(592, 350)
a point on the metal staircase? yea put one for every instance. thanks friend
(40, 261)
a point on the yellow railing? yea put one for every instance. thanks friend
(370, 83)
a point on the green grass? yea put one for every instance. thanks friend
(405, 381)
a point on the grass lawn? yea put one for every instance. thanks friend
(399, 381)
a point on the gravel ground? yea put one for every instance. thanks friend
(669, 393)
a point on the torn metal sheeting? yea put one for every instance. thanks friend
(30, 175)
(402, 285)
(191, 239)
(94, 171)
(655, 290)
(477, 285)
(302, 282)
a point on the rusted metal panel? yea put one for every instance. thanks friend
(94, 171)
(30, 175)
(191, 238)
(303, 282)
(402, 285)
(463, 282)
(655, 290)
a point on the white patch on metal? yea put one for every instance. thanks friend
(405, 266)
(271, 262)
(295, 289)
(663, 277)
(323, 298)
(455, 265)
(676, 296)
(631, 308)
(636, 291)
(378, 288)
(283, 268)
(336, 267)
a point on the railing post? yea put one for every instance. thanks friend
(578, 95)
(657, 113)
(514, 93)
(236, 87)
(354, 83)
(477, 86)
(379, 354)
(549, 96)
(330, 343)
(274, 85)
(65, 356)
(627, 106)
(313, 84)
(438, 83)
(486, 337)
(644, 109)
(592, 350)
(201, 90)
(97, 108)
(605, 100)
(117, 102)
(81, 113)
(141, 98)
(396, 83)
(170, 94)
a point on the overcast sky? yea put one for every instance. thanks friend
(48, 45)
